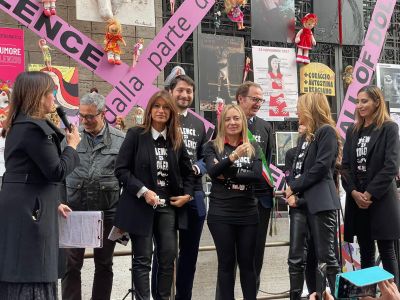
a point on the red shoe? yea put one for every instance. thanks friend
(117, 62)
(111, 60)
(47, 12)
(53, 11)
(306, 60)
(299, 58)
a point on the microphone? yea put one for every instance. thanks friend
(63, 117)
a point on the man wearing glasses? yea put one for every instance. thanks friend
(249, 96)
(93, 186)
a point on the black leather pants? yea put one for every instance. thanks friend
(164, 236)
(322, 227)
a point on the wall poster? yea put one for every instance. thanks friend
(275, 69)
(221, 61)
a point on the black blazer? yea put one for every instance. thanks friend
(316, 184)
(135, 167)
(382, 167)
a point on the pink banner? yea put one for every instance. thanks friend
(11, 55)
(279, 176)
(130, 90)
(365, 67)
(136, 84)
(65, 37)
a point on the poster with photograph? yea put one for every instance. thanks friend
(388, 79)
(284, 142)
(67, 82)
(275, 69)
(221, 62)
(273, 20)
(128, 12)
(11, 64)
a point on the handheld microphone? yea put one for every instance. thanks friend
(63, 117)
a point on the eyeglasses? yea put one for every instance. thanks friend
(88, 117)
(256, 100)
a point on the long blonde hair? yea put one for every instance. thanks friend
(381, 115)
(229, 4)
(219, 141)
(316, 112)
(173, 131)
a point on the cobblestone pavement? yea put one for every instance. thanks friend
(275, 278)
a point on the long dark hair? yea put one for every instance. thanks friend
(173, 131)
(381, 114)
(28, 91)
(270, 64)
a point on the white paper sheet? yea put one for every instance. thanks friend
(81, 229)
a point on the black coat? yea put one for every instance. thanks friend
(136, 167)
(316, 184)
(382, 167)
(35, 167)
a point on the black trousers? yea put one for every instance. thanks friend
(262, 230)
(164, 234)
(235, 243)
(386, 248)
(322, 227)
(189, 241)
(103, 274)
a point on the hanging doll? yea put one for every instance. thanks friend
(220, 103)
(247, 68)
(217, 19)
(172, 6)
(234, 13)
(49, 7)
(348, 75)
(113, 36)
(46, 53)
(305, 39)
(136, 51)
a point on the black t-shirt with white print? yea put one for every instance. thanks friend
(232, 197)
(298, 166)
(362, 149)
(161, 153)
(194, 136)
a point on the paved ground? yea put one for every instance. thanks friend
(275, 277)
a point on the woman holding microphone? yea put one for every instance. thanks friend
(30, 194)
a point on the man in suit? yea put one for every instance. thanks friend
(93, 186)
(249, 96)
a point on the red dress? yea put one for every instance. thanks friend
(112, 43)
(305, 39)
(277, 103)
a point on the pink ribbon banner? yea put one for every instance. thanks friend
(132, 86)
(136, 86)
(365, 66)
